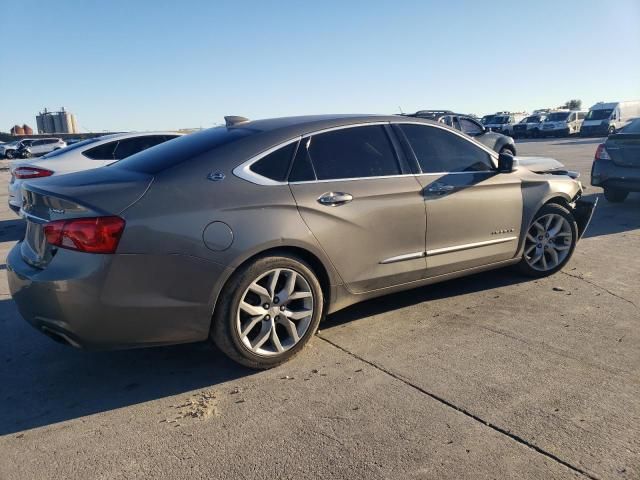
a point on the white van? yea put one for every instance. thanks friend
(562, 123)
(608, 118)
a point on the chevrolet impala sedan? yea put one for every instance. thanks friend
(249, 234)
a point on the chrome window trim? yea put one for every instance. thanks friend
(244, 169)
(468, 246)
(342, 127)
(302, 182)
(493, 155)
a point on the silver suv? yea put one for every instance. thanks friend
(36, 147)
(249, 234)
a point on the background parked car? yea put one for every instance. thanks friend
(529, 126)
(616, 167)
(472, 127)
(9, 150)
(563, 123)
(503, 123)
(608, 118)
(85, 155)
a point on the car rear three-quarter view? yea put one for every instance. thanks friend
(249, 234)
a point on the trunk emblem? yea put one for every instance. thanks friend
(215, 176)
(58, 211)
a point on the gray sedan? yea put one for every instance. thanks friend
(249, 234)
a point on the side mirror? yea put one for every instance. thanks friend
(505, 163)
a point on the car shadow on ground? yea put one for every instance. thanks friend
(12, 230)
(44, 383)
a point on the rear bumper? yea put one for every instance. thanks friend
(116, 301)
(606, 174)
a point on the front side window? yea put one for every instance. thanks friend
(439, 150)
(275, 166)
(352, 153)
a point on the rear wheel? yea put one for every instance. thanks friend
(268, 311)
(9, 154)
(550, 241)
(615, 195)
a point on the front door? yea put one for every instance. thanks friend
(474, 213)
(364, 208)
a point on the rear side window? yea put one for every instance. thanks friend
(439, 150)
(182, 149)
(101, 152)
(353, 153)
(131, 146)
(275, 165)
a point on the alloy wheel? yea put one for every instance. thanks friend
(548, 242)
(275, 312)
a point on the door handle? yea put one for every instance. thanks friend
(334, 199)
(440, 188)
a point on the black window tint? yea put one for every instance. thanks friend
(470, 127)
(439, 150)
(101, 152)
(456, 123)
(131, 146)
(353, 153)
(302, 170)
(275, 165)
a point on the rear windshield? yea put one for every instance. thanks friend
(174, 152)
(558, 116)
(599, 114)
(633, 127)
(73, 146)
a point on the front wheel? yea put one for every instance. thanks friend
(268, 311)
(615, 195)
(550, 241)
(9, 154)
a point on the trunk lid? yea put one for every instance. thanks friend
(91, 193)
(624, 149)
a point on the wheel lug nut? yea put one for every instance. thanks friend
(276, 300)
(277, 318)
(540, 237)
(267, 317)
(266, 306)
(282, 308)
(539, 245)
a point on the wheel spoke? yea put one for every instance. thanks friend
(253, 310)
(544, 261)
(539, 227)
(273, 281)
(561, 248)
(557, 227)
(290, 284)
(291, 328)
(299, 295)
(528, 250)
(261, 291)
(275, 340)
(548, 224)
(252, 323)
(298, 315)
(531, 238)
(554, 257)
(262, 337)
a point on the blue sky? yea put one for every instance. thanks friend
(144, 65)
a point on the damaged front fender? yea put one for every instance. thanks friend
(583, 212)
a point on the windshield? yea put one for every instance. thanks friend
(74, 146)
(602, 114)
(500, 119)
(487, 119)
(558, 117)
(633, 127)
(532, 119)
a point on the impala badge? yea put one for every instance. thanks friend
(57, 211)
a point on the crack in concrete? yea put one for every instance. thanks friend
(465, 412)
(580, 277)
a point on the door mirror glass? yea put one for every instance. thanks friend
(505, 163)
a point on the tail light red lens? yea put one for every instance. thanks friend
(601, 153)
(91, 235)
(31, 172)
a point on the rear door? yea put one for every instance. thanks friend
(474, 213)
(365, 208)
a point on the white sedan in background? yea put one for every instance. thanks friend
(85, 155)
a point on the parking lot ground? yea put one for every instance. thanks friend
(490, 376)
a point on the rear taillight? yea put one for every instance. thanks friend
(601, 153)
(92, 235)
(31, 172)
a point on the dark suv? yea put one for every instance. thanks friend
(472, 127)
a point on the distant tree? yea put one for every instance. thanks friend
(573, 104)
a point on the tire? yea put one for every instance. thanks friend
(250, 285)
(615, 195)
(9, 154)
(549, 252)
(508, 149)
